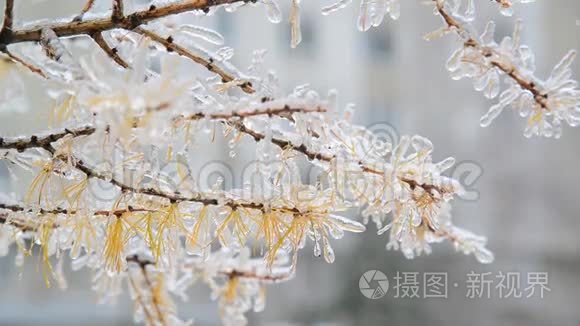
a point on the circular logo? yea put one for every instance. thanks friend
(373, 284)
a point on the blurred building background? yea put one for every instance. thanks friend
(528, 192)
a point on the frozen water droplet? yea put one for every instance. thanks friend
(328, 251)
(484, 256)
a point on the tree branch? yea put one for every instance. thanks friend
(19, 60)
(314, 155)
(510, 69)
(228, 272)
(504, 3)
(118, 10)
(285, 111)
(8, 17)
(58, 210)
(35, 141)
(45, 143)
(208, 63)
(111, 52)
(23, 226)
(140, 298)
(88, 6)
(129, 22)
(155, 300)
(27, 227)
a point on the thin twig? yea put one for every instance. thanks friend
(46, 144)
(284, 111)
(209, 63)
(228, 272)
(314, 155)
(172, 197)
(58, 210)
(21, 61)
(509, 69)
(111, 52)
(8, 17)
(504, 3)
(25, 226)
(139, 298)
(21, 225)
(118, 10)
(129, 22)
(35, 141)
(154, 299)
(88, 6)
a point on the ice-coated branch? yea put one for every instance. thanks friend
(45, 142)
(229, 271)
(208, 63)
(546, 103)
(111, 52)
(8, 17)
(17, 215)
(42, 141)
(93, 26)
(43, 211)
(316, 155)
(508, 68)
(7, 27)
(118, 10)
(21, 225)
(237, 280)
(284, 111)
(506, 6)
(22, 62)
(87, 7)
(150, 295)
(160, 227)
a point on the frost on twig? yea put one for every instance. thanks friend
(149, 215)
(546, 103)
(111, 52)
(118, 10)
(86, 8)
(296, 33)
(8, 17)
(157, 226)
(22, 143)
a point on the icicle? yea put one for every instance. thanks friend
(203, 33)
(328, 251)
(338, 5)
(296, 34)
(273, 11)
(346, 224)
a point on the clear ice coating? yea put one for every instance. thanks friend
(115, 189)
